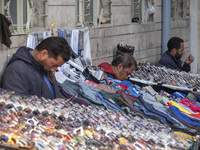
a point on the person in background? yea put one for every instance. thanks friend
(172, 57)
(121, 67)
(30, 72)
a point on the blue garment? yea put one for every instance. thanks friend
(181, 116)
(61, 33)
(110, 103)
(126, 82)
(148, 113)
(72, 88)
(49, 85)
(150, 108)
(171, 62)
(192, 118)
(198, 98)
(179, 95)
(132, 91)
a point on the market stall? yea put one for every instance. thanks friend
(103, 113)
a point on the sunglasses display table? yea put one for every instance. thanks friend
(38, 123)
(150, 74)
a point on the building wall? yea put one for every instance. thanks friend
(145, 37)
(6, 53)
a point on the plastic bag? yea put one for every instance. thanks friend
(151, 9)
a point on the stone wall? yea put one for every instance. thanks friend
(6, 53)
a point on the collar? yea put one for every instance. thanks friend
(107, 68)
(35, 63)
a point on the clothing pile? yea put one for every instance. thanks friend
(142, 101)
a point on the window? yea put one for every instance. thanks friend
(20, 13)
(103, 13)
(84, 12)
(142, 11)
(180, 9)
(94, 12)
(16, 12)
(188, 9)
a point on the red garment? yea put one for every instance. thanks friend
(189, 104)
(107, 68)
(91, 83)
(195, 115)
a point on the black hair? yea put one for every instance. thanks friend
(56, 46)
(126, 59)
(174, 42)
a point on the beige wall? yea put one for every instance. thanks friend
(146, 38)
(6, 53)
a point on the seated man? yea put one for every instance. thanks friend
(121, 67)
(30, 72)
(172, 57)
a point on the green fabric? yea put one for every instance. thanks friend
(111, 96)
(191, 96)
(158, 97)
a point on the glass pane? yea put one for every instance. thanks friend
(1, 6)
(188, 9)
(172, 9)
(106, 18)
(136, 10)
(13, 11)
(199, 5)
(24, 11)
(78, 11)
(180, 5)
(84, 11)
(150, 11)
(88, 11)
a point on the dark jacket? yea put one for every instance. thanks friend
(108, 70)
(24, 75)
(171, 62)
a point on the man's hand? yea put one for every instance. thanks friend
(105, 88)
(189, 59)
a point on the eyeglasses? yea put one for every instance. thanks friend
(32, 121)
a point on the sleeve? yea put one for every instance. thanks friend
(15, 78)
(186, 67)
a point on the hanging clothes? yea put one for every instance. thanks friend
(5, 33)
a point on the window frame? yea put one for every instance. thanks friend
(95, 14)
(142, 11)
(22, 27)
(179, 11)
(80, 15)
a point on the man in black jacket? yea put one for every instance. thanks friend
(30, 72)
(172, 57)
